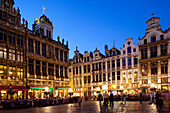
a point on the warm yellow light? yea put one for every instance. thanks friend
(3, 91)
(121, 87)
(104, 87)
(114, 86)
(10, 72)
(70, 90)
(46, 89)
(1, 71)
(97, 88)
(164, 87)
(152, 85)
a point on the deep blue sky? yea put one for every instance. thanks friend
(94, 23)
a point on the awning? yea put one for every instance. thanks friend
(62, 87)
(77, 91)
(93, 91)
(37, 87)
(14, 88)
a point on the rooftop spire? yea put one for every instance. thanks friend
(44, 9)
(152, 15)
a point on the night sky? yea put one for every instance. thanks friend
(94, 23)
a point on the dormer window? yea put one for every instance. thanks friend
(107, 54)
(114, 53)
(134, 50)
(88, 59)
(128, 43)
(124, 52)
(153, 39)
(84, 59)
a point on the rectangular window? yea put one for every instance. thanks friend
(31, 66)
(104, 77)
(93, 67)
(76, 70)
(43, 49)
(144, 69)
(103, 65)
(57, 70)
(37, 47)
(44, 69)
(84, 69)
(65, 56)
(100, 78)
(118, 75)
(89, 79)
(20, 40)
(20, 56)
(164, 67)
(11, 38)
(109, 78)
(135, 60)
(96, 78)
(153, 51)
(80, 69)
(3, 52)
(100, 66)
(38, 67)
(123, 62)
(3, 69)
(12, 72)
(108, 65)
(144, 53)
(164, 50)
(50, 69)
(65, 69)
(113, 63)
(154, 68)
(85, 80)
(88, 59)
(11, 54)
(56, 53)
(20, 73)
(129, 61)
(30, 45)
(113, 75)
(73, 70)
(88, 68)
(118, 62)
(61, 55)
(3, 35)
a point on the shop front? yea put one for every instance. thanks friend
(77, 93)
(61, 91)
(13, 92)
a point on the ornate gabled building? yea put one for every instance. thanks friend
(115, 71)
(12, 51)
(31, 58)
(154, 58)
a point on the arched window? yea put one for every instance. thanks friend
(107, 54)
(153, 38)
(129, 50)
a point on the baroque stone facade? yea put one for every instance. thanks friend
(30, 60)
(143, 67)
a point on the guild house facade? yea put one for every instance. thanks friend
(32, 63)
(143, 67)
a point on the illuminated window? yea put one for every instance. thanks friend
(20, 73)
(144, 81)
(144, 69)
(3, 52)
(20, 56)
(12, 73)
(11, 54)
(3, 72)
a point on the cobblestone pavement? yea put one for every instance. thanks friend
(90, 107)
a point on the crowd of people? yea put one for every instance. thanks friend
(155, 97)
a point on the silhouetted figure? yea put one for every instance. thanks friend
(111, 99)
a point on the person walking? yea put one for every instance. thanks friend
(157, 99)
(111, 99)
(141, 97)
(151, 96)
(124, 98)
(100, 98)
(106, 97)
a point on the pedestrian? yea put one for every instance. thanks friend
(160, 100)
(154, 97)
(141, 97)
(124, 98)
(157, 99)
(151, 97)
(106, 96)
(121, 97)
(100, 98)
(111, 99)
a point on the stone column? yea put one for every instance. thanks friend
(54, 73)
(106, 71)
(40, 49)
(41, 72)
(126, 62)
(159, 67)
(34, 68)
(158, 50)
(34, 47)
(132, 60)
(115, 64)
(120, 63)
(47, 70)
(140, 73)
(148, 52)
(149, 72)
